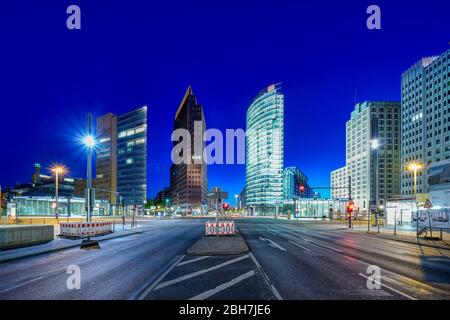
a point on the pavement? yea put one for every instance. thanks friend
(287, 260)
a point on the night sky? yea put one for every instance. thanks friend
(131, 53)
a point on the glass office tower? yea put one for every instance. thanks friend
(264, 151)
(132, 157)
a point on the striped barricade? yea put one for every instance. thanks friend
(220, 228)
(78, 230)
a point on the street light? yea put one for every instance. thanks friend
(374, 144)
(89, 142)
(414, 167)
(57, 170)
(236, 196)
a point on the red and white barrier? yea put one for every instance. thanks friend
(220, 228)
(85, 229)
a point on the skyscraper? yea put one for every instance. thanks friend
(264, 151)
(373, 153)
(189, 180)
(425, 119)
(132, 156)
(106, 162)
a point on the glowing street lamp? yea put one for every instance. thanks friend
(89, 141)
(57, 170)
(374, 144)
(414, 167)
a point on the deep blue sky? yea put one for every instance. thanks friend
(131, 53)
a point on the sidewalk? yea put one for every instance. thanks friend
(405, 234)
(61, 244)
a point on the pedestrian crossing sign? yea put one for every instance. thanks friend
(428, 204)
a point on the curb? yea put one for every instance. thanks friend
(401, 240)
(38, 253)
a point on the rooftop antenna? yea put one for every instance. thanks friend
(356, 96)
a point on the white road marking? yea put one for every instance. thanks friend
(322, 245)
(21, 284)
(296, 244)
(273, 244)
(389, 287)
(149, 289)
(266, 278)
(197, 273)
(224, 286)
(192, 260)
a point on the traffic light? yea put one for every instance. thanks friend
(350, 207)
(301, 188)
(225, 206)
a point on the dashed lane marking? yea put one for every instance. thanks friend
(21, 284)
(322, 245)
(273, 244)
(192, 260)
(296, 244)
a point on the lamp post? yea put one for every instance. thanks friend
(236, 196)
(89, 142)
(414, 167)
(57, 171)
(375, 145)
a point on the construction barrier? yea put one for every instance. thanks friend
(220, 228)
(84, 229)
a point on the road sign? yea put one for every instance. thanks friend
(428, 204)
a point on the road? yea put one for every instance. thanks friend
(119, 270)
(319, 261)
(286, 261)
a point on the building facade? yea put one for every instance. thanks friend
(425, 119)
(189, 180)
(339, 183)
(293, 179)
(373, 154)
(105, 182)
(132, 157)
(264, 151)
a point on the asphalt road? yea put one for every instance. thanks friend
(287, 261)
(119, 270)
(319, 261)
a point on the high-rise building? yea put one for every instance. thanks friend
(425, 119)
(105, 182)
(189, 180)
(373, 153)
(264, 151)
(132, 156)
(293, 181)
(339, 183)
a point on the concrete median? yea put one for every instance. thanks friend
(16, 236)
(225, 245)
